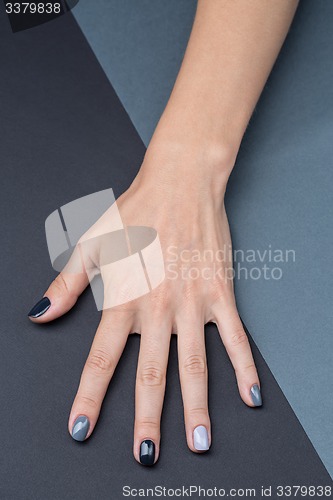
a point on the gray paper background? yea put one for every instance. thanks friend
(65, 134)
(280, 193)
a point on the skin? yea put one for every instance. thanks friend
(180, 190)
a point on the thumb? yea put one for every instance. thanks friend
(59, 298)
(64, 291)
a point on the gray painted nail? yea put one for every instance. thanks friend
(256, 395)
(200, 438)
(80, 428)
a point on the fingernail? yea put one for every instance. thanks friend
(256, 395)
(200, 438)
(40, 308)
(80, 428)
(147, 452)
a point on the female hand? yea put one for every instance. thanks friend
(192, 225)
(179, 191)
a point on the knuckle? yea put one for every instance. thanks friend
(200, 410)
(161, 307)
(147, 422)
(61, 285)
(221, 291)
(100, 362)
(238, 337)
(247, 368)
(88, 402)
(195, 364)
(251, 366)
(151, 375)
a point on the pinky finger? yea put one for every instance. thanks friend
(239, 351)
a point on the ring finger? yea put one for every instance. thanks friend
(194, 383)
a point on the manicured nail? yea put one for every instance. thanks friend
(80, 428)
(40, 308)
(147, 452)
(256, 395)
(200, 438)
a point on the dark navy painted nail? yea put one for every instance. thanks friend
(80, 428)
(256, 395)
(147, 452)
(40, 308)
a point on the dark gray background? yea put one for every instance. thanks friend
(65, 134)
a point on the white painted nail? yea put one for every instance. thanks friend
(200, 438)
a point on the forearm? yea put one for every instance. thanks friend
(231, 51)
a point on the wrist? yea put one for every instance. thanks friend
(178, 163)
